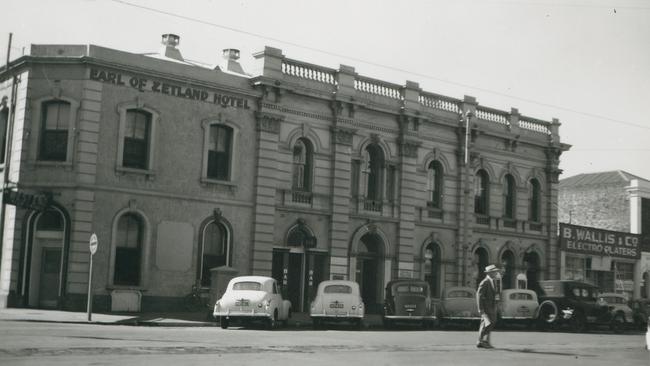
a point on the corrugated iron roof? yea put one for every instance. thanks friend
(614, 177)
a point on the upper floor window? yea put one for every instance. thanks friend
(434, 184)
(374, 172)
(481, 188)
(4, 121)
(535, 198)
(509, 197)
(128, 251)
(219, 152)
(55, 122)
(137, 136)
(302, 165)
(215, 250)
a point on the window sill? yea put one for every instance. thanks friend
(225, 183)
(126, 287)
(150, 174)
(67, 165)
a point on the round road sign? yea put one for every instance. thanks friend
(93, 244)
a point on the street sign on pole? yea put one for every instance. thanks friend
(93, 243)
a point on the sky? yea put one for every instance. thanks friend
(586, 62)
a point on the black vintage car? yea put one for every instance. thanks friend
(408, 301)
(575, 304)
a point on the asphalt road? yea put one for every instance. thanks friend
(42, 343)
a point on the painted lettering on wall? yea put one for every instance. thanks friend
(143, 84)
(588, 240)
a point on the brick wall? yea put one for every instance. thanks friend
(600, 206)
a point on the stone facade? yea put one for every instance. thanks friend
(329, 175)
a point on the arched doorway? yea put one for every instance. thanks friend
(532, 262)
(369, 270)
(299, 266)
(432, 262)
(45, 258)
(508, 265)
(481, 260)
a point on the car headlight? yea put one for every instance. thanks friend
(266, 303)
(354, 307)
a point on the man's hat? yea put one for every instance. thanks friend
(492, 268)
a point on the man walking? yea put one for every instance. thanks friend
(487, 306)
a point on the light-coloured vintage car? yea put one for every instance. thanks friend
(337, 300)
(252, 298)
(458, 304)
(518, 305)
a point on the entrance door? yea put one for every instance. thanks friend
(368, 278)
(49, 281)
(299, 273)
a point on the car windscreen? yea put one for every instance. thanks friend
(520, 296)
(337, 289)
(459, 293)
(411, 289)
(247, 286)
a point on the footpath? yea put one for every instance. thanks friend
(186, 319)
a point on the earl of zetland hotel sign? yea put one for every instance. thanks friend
(604, 243)
(143, 84)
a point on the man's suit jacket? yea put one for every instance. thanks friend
(486, 298)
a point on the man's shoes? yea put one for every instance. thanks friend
(484, 344)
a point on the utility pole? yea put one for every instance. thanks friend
(7, 148)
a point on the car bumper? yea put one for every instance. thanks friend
(242, 314)
(336, 316)
(461, 318)
(411, 317)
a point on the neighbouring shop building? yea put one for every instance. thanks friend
(192, 174)
(606, 238)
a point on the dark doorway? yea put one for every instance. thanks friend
(299, 274)
(481, 259)
(49, 281)
(508, 262)
(432, 268)
(369, 271)
(532, 262)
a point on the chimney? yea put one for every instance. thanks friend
(230, 63)
(169, 42)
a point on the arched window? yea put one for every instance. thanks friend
(482, 184)
(137, 135)
(128, 251)
(55, 122)
(215, 250)
(300, 237)
(374, 171)
(509, 197)
(302, 165)
(434, 184)
(535, 201)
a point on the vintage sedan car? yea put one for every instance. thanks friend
(618, 306)
(575, 304)
(458, 305)
(517, 305)
(336, 301)
(252, 298)
(408, 301)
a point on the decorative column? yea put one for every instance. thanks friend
(466, 207)
(268, 129)
(552, 179)
(340, 222)
(408, 199)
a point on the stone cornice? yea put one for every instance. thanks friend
(268, 122)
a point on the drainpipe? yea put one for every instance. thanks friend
(7, 152)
